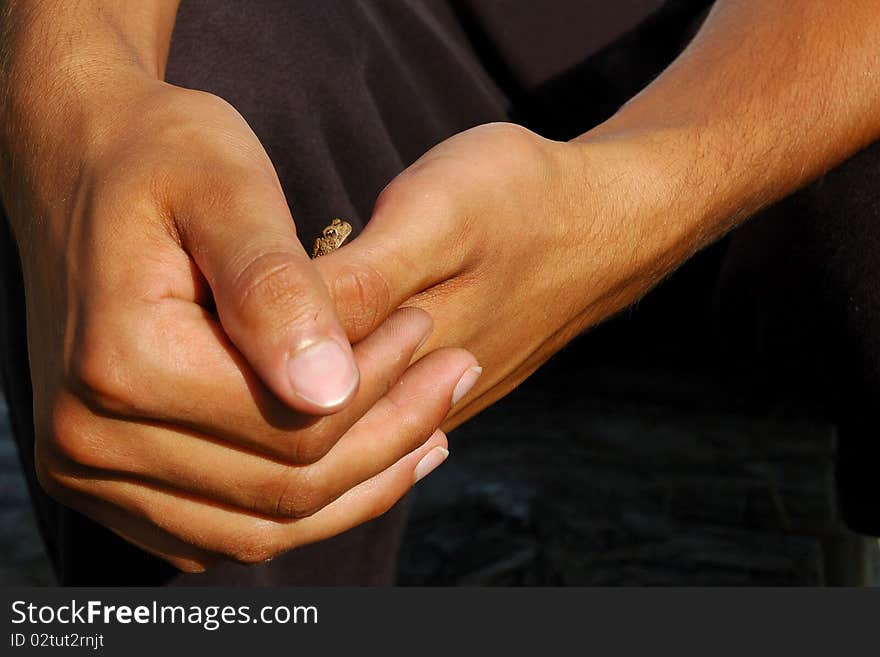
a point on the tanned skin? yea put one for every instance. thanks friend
(522, 243)
(138, 207)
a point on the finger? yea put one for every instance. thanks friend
(254, 539)
(399, 422)
(270, 299)
(413, 241)
(197, 465)
(373, 497)
(138, 532)
(185, 350)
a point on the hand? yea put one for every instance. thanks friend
(516, 244)
(193, 434)
(513, 243)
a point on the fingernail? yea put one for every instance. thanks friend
(465, 383)
(430, 461)
(323, 373)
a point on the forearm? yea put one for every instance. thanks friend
(768, 96)
(64, 64)
(47, 33)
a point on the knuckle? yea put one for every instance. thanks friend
(527, 150)
(391, 191)
(259, 545)
(63, 481)
(189, 566)
(436, 192)
(382, 502)
(236, 143)
(405, 411)
(365, 294)
(506, 130)
(311, 447)
(419, 189)
(268, 281)
(72, 436)
(301, 441)
(300, 495)
(102, 367)
(268, 294)
(140, 189)
(509, 138)
(48, 476)
(251, 552)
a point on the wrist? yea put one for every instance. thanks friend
(663, 188)
(66, 69)
(645, 210)
(51, 124)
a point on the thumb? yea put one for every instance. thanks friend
(271, 301)
(407, 247)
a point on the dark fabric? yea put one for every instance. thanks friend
(344, 94)
(800, 289)
(524, 44)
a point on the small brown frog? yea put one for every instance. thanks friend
(331, 238)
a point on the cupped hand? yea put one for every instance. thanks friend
(193, 388)
(513, 243)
